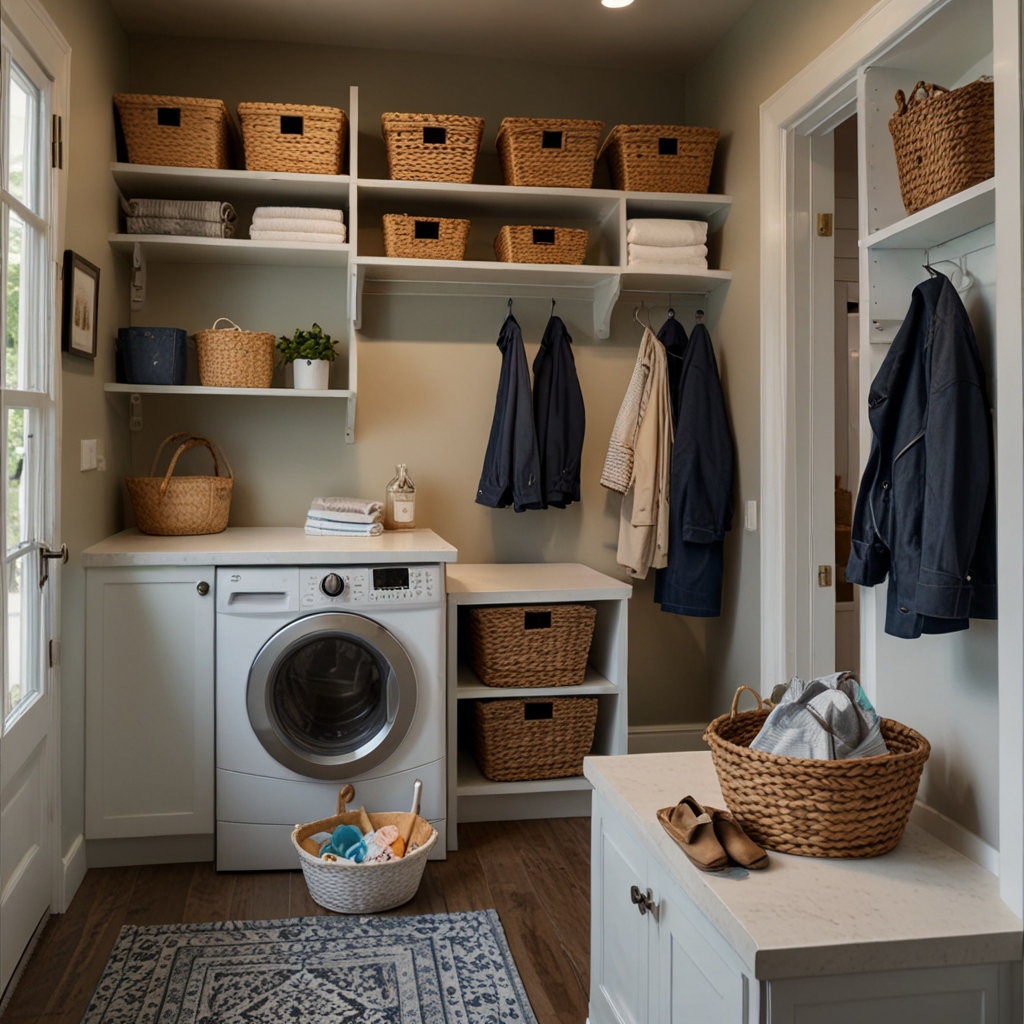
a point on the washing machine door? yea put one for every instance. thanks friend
(331, 695)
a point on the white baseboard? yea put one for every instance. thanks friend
(74, 868)
(660, 739)
(962, 840)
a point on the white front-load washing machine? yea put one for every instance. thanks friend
(325, 675)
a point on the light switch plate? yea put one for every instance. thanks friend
(88, 455)
(750, 520)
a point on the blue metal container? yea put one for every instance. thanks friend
(153, 355)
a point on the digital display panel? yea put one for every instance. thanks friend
(390, 579)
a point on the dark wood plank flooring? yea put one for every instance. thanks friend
(536, 874)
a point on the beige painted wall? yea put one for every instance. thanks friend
(770, 44)
(90, 502)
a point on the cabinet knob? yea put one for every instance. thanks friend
(203, 587)
(644, 901)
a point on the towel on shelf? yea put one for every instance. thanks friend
(180, 209)
(320, 227)
(265, 235)
(325, 529)
(345, 517)
(361, 505)
(181, 226)
(262, 213)
(675, 255)
(659, 231)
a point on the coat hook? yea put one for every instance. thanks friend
(552, 307)
(699, 315)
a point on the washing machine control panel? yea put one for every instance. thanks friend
(385, 584)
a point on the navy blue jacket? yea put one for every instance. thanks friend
(559, 415)
(926, 508)
(701, 487)
(673, 336)
(511, 473)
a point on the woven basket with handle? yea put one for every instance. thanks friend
(175, 131)
(425, 238)
(660, 157)
(543, 151)
(521, 243)
(364, 888)
(432, 147)
(233, 358)
(944, 141)
(293, 138)
(179, 506)
(856, 807)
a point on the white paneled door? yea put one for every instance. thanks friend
(28, 427)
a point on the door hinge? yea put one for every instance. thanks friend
(825, 225)
(57, 143)
(54, 653)
(824, 575)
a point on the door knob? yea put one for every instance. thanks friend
(46, 553)
(203, 587)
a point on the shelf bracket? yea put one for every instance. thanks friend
(138, 281)
(350, 419)
(606, 294)
(357, 279)
(135, 411)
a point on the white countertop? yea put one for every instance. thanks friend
(271, 545)
(531, 582)
(922, 905)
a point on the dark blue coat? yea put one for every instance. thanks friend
(926, 508)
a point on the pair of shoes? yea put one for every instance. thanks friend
(710, 837)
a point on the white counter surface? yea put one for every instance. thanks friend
(272, 545)
(922, 905)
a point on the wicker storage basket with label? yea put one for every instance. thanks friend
(175, 131)
(533, 737)
(432, 147)
(293, 138)
(542, 151)
(180, 506)
(530, 645)
(519, 243)
(425, 238)
(364, 888)
(944, 141)
(856, 807)
(660, 157)
(233, 358)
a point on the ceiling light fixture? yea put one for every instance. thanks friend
(616, 3)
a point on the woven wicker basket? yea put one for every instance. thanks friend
(660, 157)
(233, 358)
(530, 645)
(944, 142)
(182, 506)
(175, 131)
(432, 147)
(533, 737)
(520, 243)
(289, 137)
(425, 238)
(857, 807)
(539, 151)
(364, 888)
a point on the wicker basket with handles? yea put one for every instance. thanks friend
(521, 243)
(542, 151)
(660, 157)
(179, 506)
(432, 147)
(944, 141)
(425, 238)
(364, 888)
(176, 131)
(233, 358)
(293, 138)
(857, 807)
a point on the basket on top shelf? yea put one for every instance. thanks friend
(432, 147)
(293, 138)
(944, 140)
(233, 358)
(542, 151)
(425, 238)
(660, 157)
(520, 243)
(175, 131)
(856, 807)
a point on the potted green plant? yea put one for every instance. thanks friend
(311, 354)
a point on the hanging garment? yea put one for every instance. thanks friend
(673, 336)
(702, 475)
(559, 416)
(638, 462)
(511, 473)
(926, 509)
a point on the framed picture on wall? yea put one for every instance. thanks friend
(81, 304)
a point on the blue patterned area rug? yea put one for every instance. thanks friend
(430, 969)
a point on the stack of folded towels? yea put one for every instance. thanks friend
(677, 242)
(179, 217)
(297, 224)
(344, 517)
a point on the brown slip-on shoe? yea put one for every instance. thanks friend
(737, 844)
(694, 832)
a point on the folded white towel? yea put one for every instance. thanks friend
(297, 213)
(363, 505)
(343, 529)
(659, 231)
(263, 235)
(326, 227)
(343, 517)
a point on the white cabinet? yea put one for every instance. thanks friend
(149, 702)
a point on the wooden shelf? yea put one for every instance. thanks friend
(191, 389)
(178, 249)
(471, 782)
(958, 215)
(469, 687)
(682, 279)
(525, 583)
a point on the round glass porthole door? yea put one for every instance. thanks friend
(331, 695)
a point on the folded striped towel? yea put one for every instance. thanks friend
(297, 213)
(679, 255)
(325, 516)
(362, 505)
(266, 235)
(326, 227)
(661, 231)
(344, 529)
(180, 209)
(179, 226)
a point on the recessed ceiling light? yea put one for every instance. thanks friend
(616, 3)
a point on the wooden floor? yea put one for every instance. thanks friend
(534, 873)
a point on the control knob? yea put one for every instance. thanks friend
(332, 584)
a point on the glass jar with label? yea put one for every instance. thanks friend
(400, 502)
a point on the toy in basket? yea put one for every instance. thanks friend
(342, 873)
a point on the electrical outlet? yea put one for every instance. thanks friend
(88, 455)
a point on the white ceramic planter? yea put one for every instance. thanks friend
(311, 374)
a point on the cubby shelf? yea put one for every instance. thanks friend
(179, 249)
(473, 783)
(196, 389)
(469, 687)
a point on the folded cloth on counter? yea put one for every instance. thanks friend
(679, 255)
(180, 209)
(323, 528)
(362, 505)
(324, 227)
(179, 226)
(346, 517)
(825, 719)
(659, 231)
(266, 235)
(262, 213)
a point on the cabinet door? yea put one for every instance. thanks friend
(619, 934)
(149, 702)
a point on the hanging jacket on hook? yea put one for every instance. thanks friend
(673, 336)
(559, 415)
(511, 473)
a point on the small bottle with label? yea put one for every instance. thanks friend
(400, 504)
